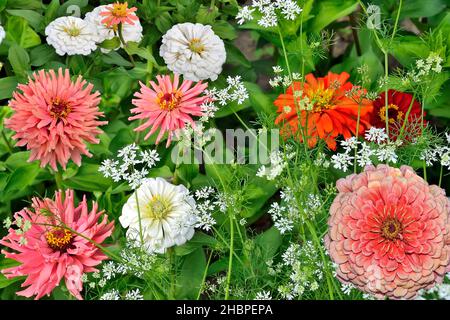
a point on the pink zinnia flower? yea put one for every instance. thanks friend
(389, 232)
(167, 106)
(119, 13)
(50, 251)
(54, 117)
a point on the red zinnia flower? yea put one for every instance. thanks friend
(51, 251)
(54, 117)
(398, 106)
(332, 112)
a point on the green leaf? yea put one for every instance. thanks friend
(116, 59)
(5, 282)
(236, 57)
(34, 18)
(51, 11)
(407, 49)
(269, 241)
(328, 11)
(110, 44)
(17, 160)
(21, 178)
(205, 15)
(259, 100)
(420, 8)
(198, 240)
(64, 10)
(24, 4)
(163, 22)
(224, 30)
(191, 275)
(42, 54)
(18, 31)
(19, 59)
(7, 87)
(88, 178)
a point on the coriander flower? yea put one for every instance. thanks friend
(71, 36)
(159, 213)
(194, 51)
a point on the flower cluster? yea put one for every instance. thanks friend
(132, 165)
(270, 11)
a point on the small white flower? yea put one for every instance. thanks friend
(263, 295)
(377, 135)
(277, 69)
(244, 14)
(166, 211)
(350, 144)
(134, 295)
(2, 34)
(130, 32)
(111, 295)
(387, 153)
(71, 36)
(341, 161)
(194, 51)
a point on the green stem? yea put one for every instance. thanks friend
(139, 218)
(386, 100)
(58, 180)
(230, 261)
(125, 45)
(405, 122)
(10, 149)
(205, 273)
(357, 135)
(424, 165)
(441, 172)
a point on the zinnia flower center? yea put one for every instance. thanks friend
(59, 239)
(196, 45)
(72, 31)
(322, 99)
(393, 113)
(169, 101)
(120, 10)
(157, 208)
(59, 108)
(391, 229)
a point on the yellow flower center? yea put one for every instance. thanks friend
(120, 10)
(59, 238)
(195, 45)
(391, 229)
(157, 208)
(59, 108)
(169, 101)
(393, 113)
(322, 99)
(72, 31)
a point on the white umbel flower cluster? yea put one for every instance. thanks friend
(71, 35)
(167, 215)
(194, 51)
(130, 32)
(2, 34)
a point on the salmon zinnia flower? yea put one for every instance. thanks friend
(119, 13)
(320, 108)
(389, 232)
(49, 251)
(167, 106)
(54, 117)
(398, 106)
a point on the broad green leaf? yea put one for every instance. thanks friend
(199, 240)
(407, 49)
(18, 31)
(88, 178)
(328, 11)
(224, 30)
(259, 100)
(21, 178)
(270, 240)
(19, 59)
(7, 87)
(34, 18)
(191, 275)
(42, 54)
(420, 8)
(116, 59)
(110, 44)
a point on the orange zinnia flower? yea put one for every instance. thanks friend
(119, 13)
(321, 109)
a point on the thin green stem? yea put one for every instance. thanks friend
(10, 149)
(205, 273)
(230, 259)
(124, 43)
(139, 218)
(357, 135)
(386, 98)
(441, 173)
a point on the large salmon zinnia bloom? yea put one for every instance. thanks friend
(51, 252)
(118, 13)
(389, 232)
(54, 117)
(332, 112)
(167, 106)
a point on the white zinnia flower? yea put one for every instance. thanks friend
(2, 34)
(130, 32)
(194, 51)
(167, 215)
(71, 35)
